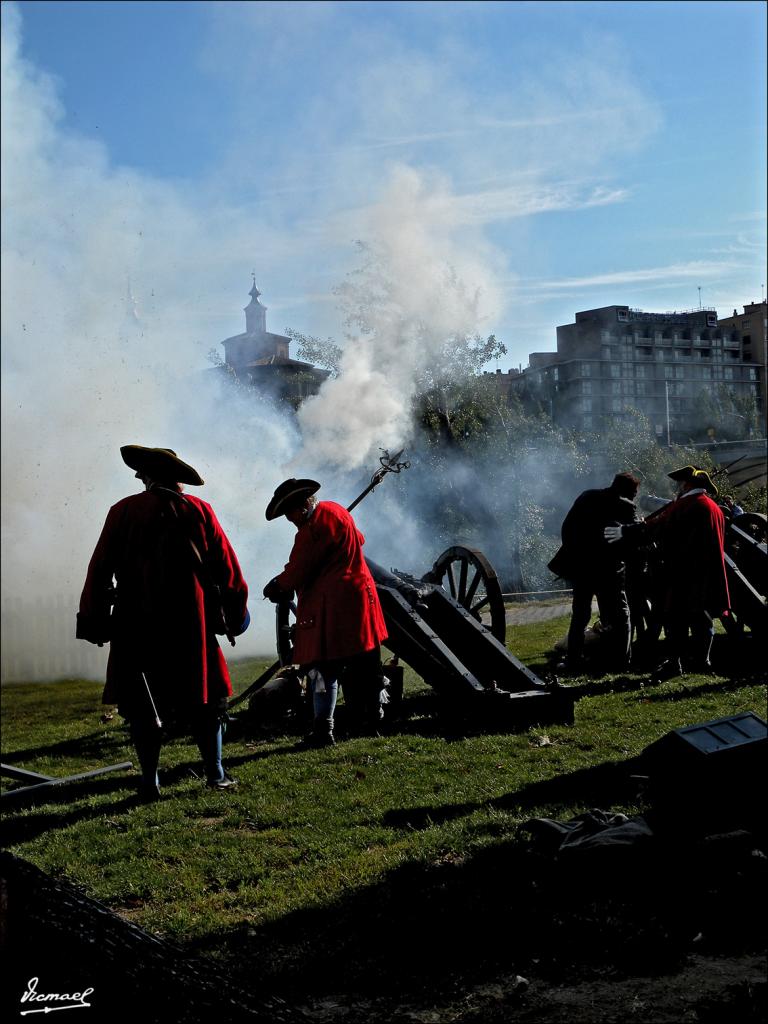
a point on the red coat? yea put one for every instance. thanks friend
(338, 613)
(163, 624)
(691, 532)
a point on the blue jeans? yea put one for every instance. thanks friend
(207, 732)
(324, 685)
(362, 679)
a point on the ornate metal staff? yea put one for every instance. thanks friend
(388, 464)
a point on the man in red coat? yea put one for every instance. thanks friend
(690, 533)
(178, 584)
(339, 621)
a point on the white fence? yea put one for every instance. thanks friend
(38, 642)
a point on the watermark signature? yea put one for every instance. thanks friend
(76, 1001)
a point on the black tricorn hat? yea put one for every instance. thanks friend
(696, 476)
(160, 464)
(290, 492)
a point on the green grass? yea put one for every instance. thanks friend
(309, 829)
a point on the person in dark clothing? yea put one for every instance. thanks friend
(597, 569)
(178, 585)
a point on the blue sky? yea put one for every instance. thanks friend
(587, 153)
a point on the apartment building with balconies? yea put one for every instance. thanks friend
(615, 360)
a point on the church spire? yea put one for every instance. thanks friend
(255, 313)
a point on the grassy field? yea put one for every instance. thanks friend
(314, 842)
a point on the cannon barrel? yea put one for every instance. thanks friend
(447, 644)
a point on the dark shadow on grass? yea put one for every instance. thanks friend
(427, 925)
(602, 785)
(614, 684)
(91, 746)
(22, 828)
(684, 690)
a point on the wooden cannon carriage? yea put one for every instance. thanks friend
(449, 625)
(746, 565)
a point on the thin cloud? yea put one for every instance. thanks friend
(754, 215)
(494, 124)
(695, 269)
(504, 204)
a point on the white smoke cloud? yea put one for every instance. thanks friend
(432, 281)
(80, 378)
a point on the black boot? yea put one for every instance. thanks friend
(317, 739)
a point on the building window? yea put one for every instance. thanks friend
(616, 387)
(616, 405)
(752, 373)
(728, 373)
(587, 423)
(669, 372)
(615, 370)
(622, 315)
(641, 388)
(586, 387)
(679, 372)
(746, 324)
(586, 369)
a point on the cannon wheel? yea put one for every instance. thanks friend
(471, 580)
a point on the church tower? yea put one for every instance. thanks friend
(256, 346)
(262, 358)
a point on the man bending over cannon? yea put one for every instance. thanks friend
(597, 570)
(690, 534)
(178, 585)
(339, 621)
